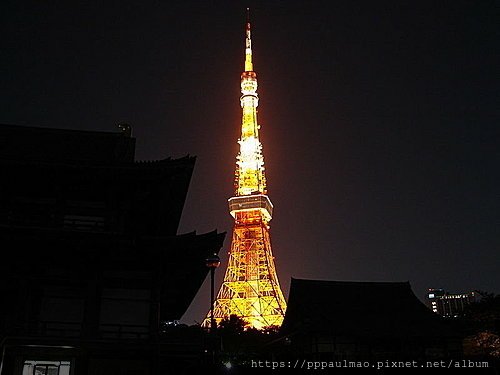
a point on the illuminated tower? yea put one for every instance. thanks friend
(250, 289)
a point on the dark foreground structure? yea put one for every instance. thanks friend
(93, 275)
(342, 326)
(377, 321)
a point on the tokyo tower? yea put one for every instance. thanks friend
(250, 288)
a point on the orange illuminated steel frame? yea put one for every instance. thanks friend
(250, 288)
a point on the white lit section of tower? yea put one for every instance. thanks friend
(250, 178)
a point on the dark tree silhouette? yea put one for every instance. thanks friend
(241, 343)
(482, 322)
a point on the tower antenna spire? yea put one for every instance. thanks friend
(248, 45)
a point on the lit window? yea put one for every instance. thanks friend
(431, 295)
(33, 367)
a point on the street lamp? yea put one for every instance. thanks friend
(212, 262)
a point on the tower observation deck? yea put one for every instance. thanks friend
(250, 288)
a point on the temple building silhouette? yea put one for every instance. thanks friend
(93, 271)
(356, 320)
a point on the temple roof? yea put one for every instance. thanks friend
(359, 309)
(47, 170)
(76, 204)
(64, 145)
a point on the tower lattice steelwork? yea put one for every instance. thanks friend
(250, 289)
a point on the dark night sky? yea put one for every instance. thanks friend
(379, 120)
